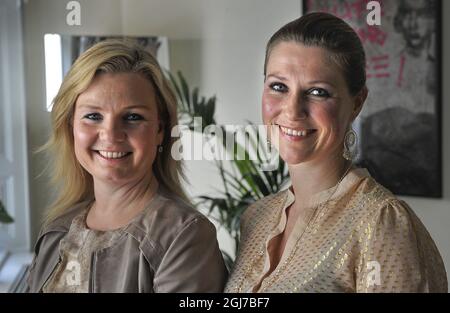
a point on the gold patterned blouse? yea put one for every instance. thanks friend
(356, 237)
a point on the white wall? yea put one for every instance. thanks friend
(219, 45)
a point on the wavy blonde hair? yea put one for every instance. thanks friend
(74, 183)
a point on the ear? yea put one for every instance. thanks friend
(358, 102)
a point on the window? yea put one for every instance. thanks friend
(13, 142)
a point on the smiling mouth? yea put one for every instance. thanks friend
(112, 154)
(296, 132)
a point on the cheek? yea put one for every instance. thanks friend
(330, 118)
(83, 140)
(144, 138)
(144, 144)
(270, 108)
(83, 136)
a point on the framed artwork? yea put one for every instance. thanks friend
(399, 128)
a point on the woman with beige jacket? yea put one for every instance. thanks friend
(121, 222)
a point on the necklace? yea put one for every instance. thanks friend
(273, 277)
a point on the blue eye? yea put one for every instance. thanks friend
(319, 92)
(93, 116)
(133, 117)
(278, 87)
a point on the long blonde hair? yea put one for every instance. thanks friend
(74, 183)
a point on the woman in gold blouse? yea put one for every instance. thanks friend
(335, 229)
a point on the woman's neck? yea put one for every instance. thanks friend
(310, 178)
(116, 205)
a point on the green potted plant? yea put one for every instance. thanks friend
(243, 181)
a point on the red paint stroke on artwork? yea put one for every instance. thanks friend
(355, 12)
(380, 57)
(378, 66)
(381, 66)
(400, 71)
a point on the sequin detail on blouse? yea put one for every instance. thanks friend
(362, 240)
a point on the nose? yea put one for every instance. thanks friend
(411, 21)
(112, 131)
(296, 107)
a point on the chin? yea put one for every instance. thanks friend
(293, 156)
(115, 178)
(293, 159)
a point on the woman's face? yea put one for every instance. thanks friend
(116, 128)
(307, 99)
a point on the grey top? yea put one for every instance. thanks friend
(170, 247)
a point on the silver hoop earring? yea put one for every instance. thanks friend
(349, 142)
(160, 148)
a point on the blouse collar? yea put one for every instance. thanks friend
(348, 182)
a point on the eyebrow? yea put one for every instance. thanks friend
(95, 107)
(311, 82)
(322, 82)
(277, 77)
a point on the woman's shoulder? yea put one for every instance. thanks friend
(393, 235)
(372, 208)
(386, 212)
(62, 222)
(263, 208)
(168, 213)
(271, 199)
(169, 224)
(173, 206)
(370, 198)
(53, 231)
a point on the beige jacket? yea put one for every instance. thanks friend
(172, 248)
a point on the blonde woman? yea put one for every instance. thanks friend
(121, 222)
(335, 229)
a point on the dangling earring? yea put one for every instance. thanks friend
(349, 142)
(269, 142)
(160, 148)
